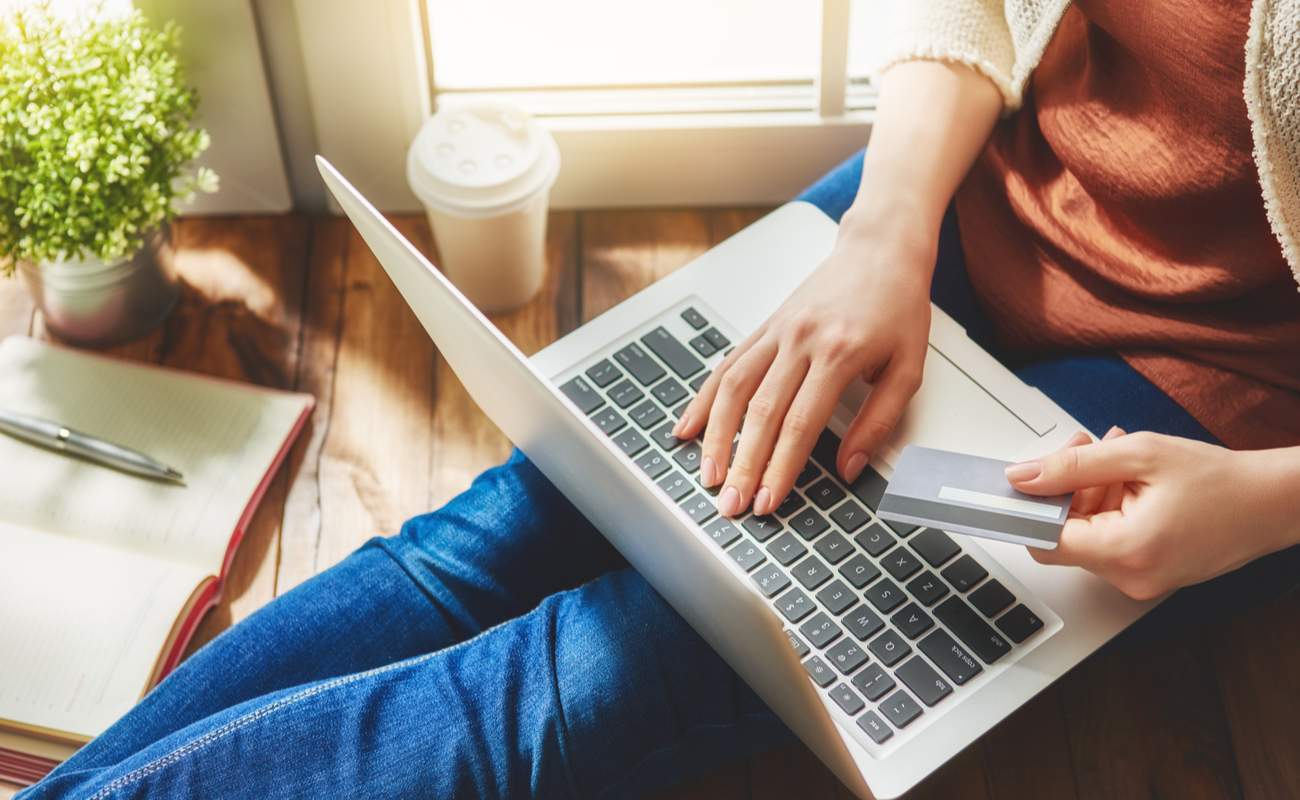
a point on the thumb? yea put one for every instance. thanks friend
(1097, 464)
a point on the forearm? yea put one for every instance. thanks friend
(932, 121)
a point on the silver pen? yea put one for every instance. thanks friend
(52, 435)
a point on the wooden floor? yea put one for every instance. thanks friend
(1200, 711)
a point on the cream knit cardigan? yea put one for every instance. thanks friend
(1005, 39)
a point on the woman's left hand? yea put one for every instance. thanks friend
(1153, 513)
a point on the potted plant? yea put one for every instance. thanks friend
(96, 140)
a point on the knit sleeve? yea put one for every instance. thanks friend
(969, 32)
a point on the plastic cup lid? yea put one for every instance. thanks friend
(481, 159)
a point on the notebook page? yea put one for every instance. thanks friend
(222, 436)
(81, 626)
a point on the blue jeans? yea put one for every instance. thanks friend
(497, 647)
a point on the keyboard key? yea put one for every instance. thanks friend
(875, 539)
(604, 373)
(889, 648)
(846, 656)
(884, 595)
(835, 597)
(973, 631)
(991, 598)
(694, 318)
(936, 547)
(672, 352)
(951, 657)
(1019, 623)
(819, 672)
(964, 573)
(681, 409)
(869, 488)
(647, 415)
(762, 528)
(873, 682)
(924, 682)
(809, 474)
(688, 458)
(699, 508)
(631, 442)
(850, 516)
(609, 421)
(770, 580)
(636, 361)
(825, 493)
(902, 528)
(676, 485)
(900, 563)
(792, 503)
(722, 532)
(747, 555)
(927, 588)
(794, 605)
(859, 571)
(698, 381)
(847, 699)
(811, 572)
(800, 649)
(820, 630)
(663, 436)
(912, 621)
(625, 393)
(716, 338)
(833, 547)
(703, 346)
(786, 549)
(863, 623)
(900, 709)
(875, 727)
(653, 464)
(825, 450)
(669, 392)
(807, 523)
(583, 396)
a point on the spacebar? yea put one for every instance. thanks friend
(662, 343)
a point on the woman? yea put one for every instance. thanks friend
(1116, 216)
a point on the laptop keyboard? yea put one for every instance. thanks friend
(890, 620)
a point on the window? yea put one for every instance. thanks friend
(672, 102)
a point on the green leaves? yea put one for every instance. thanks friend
(95, 134)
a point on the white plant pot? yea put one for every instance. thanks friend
(86, 301)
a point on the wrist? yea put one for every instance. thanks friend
(1277, 472)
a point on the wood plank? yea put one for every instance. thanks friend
(239, 318)
(375, 440)
(625, 251)
(1145, 719)
(467, 441)
(1257, 659)
(1028, 754)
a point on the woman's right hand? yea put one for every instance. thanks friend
(864, 312)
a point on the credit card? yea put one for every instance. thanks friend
(970, 494)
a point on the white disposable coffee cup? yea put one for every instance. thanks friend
(484, 174)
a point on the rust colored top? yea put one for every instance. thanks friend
(1120, 209)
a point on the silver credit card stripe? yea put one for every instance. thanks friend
(1001, 503)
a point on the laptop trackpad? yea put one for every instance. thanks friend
(951, 411)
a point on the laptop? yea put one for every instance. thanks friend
(886, 648)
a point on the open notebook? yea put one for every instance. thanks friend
(104, 575)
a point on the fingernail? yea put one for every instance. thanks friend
(853, 468)
(729, 502)
(763, 501)
(708, 472)
(680, 426)
(1024, 471)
